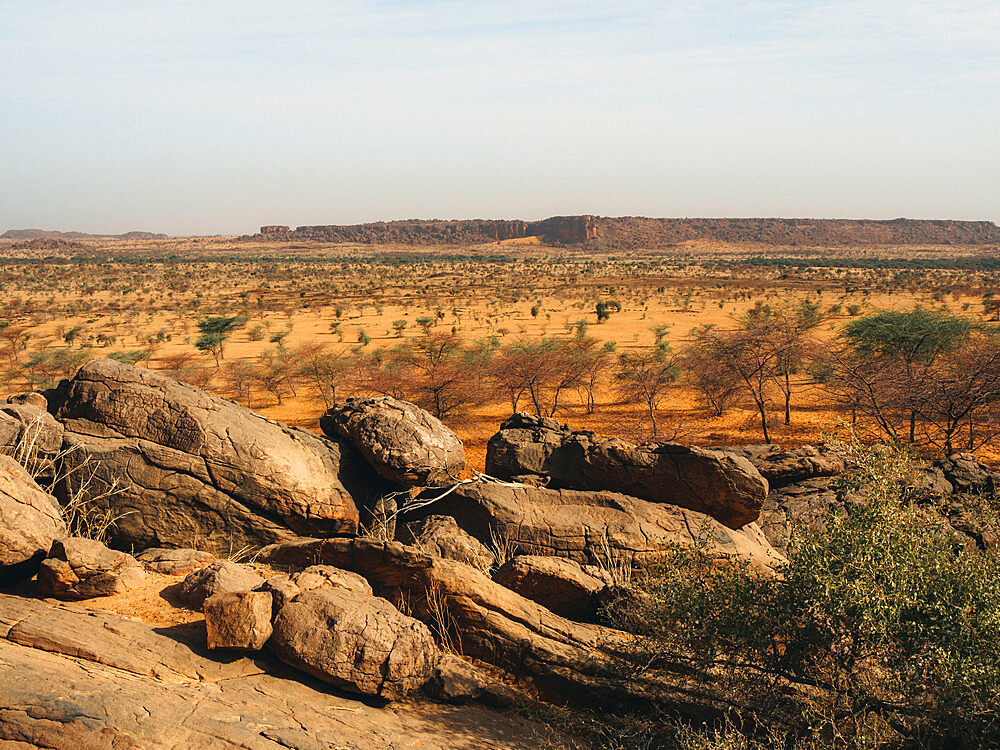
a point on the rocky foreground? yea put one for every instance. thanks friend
(393, 598)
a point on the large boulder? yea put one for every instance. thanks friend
(178, 465)
(79, 568)
(355, 641)
(558, 584)
(33, 437)
(284, 588)
(220, 577)
(30, 521)
(606, 529)
(784, 466)
(721, 484)
(403, 442)
(442, 536)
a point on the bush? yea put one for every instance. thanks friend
(881, 631)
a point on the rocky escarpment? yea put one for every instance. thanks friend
(632, 232)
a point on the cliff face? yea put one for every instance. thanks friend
(630, 232)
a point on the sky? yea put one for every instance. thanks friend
(190, 117)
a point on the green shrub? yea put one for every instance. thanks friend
(883, 630)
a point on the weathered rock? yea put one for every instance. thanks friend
(442, 536)
(238, 619)
(803, 505)
(32, 398)
(454, 680)
(403, 442)
(33, 437)
(71, 679)
(174, 562)
(781, 467)
(184, 464)
(355, 641)
(78, 568)
(721, 484)
(556, 583)
(564, 659)
(284, 588)
(598, 528)
(217, 578)
(29, 522)
(965, 473)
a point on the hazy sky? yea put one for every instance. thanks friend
(216, 117)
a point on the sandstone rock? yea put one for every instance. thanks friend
(597, 528)
(721, 484)
(238, 619)
(442, 536)
(573, 662)
(35, 399)
(403, 442)
(556, 583)
(29, 522)
(355, 641)
(781, 467)
(33, 437)
(174, 562)
(454, 680)
(79, 568)
(95, 680)
(217, 578)
(801, 505)
(965, 473)
(185, 464)
(284, 588)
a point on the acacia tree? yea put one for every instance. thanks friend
(215, 330)
(644, 377)
(323, 370)
(890, 358)
(443, 373)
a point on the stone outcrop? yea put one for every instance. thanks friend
(218, 578)
(598, 528)
(454, 680)
(403, 442)
(442, 536)
(178, 464)
(30, 521)
(355, 641)
(174, 562)
(82, 680)
(721, 484)
(563, 659)
(556, 583)
(79, 568)
(781, 466)
(238, 620)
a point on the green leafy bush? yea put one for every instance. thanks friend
(882, 630)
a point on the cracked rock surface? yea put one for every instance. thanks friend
(29, 522)
(403, 442)
(101, 681)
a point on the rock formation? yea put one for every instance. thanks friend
(30, 522)
(78, 568)
(721, 484)
(177, 464)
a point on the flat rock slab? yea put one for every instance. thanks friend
(174, 562)
(99, 681)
